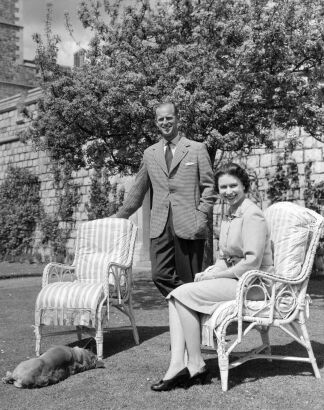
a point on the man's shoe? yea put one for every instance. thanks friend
(179, 380)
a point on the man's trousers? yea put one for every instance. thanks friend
(174, 260)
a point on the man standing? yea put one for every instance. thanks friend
(181, 176)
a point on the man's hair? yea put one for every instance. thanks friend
(234, 170)
(176, 110)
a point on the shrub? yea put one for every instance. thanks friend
(20, 208)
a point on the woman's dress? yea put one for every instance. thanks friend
(244, 245)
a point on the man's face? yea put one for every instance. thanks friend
(167, 121)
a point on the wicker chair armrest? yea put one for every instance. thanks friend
(249, 276)
(58, 270)
(271, 285)
(244, 282)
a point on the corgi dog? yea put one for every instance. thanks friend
(58, 363)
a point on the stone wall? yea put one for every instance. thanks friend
(264, 162)
(16, 75)
(15, 152)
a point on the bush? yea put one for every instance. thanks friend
(20, 208)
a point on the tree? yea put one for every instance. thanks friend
(236, 69)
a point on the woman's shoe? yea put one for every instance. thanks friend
(201, 377)
(179, 380)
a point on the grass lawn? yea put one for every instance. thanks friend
(130, 369)
(16, 269)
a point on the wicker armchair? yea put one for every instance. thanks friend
(294, 233)
(100, 276)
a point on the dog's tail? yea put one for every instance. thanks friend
(8, 379)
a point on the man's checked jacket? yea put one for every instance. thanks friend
(188, 189)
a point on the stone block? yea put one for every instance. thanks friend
(51, 193)
(49, 185)
(315, 154)
(318, 168)
(266, 160)
(83, 190)
(87, 181)
(301, 168)
(309, 142)
(298, 156)
(253, 161)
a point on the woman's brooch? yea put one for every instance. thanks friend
(237, 214)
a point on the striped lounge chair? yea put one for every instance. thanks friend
(294, 232)
(101, 276)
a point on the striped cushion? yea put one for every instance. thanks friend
(289, 231)
(68, 303)
(99, 242)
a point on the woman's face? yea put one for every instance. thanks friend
(231, 189)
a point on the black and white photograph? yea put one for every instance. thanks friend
(161, 204)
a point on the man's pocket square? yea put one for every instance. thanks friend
(189, 163)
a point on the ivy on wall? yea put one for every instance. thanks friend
(314, 191)
(20, 210)
(284, 185)
(105, 197)
(22, 213)
(56, 227)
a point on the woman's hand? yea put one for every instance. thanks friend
(205, 275)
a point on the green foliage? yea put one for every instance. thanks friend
(284, 184)
(235, 68)
(20, 208)
(314, 192)
(105, 199)
(67, 191)
(56, 228)
(254, 191)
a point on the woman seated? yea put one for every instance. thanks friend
(244, 245)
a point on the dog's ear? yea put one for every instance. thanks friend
(100, 364)
(78, 354)
(8, 378)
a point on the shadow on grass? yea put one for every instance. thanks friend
(117, 340)
(255, 370)
(316, 288)
(146, 296)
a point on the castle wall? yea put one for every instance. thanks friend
(17, 153)
(15, 75)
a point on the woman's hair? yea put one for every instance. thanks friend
(236, 171)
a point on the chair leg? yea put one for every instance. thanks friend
(309, 347)
(134, 327)
(38, 336)
(223, 363)
(79, 332)
(99, 343)
(264, 332)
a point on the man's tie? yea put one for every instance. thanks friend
(168, 155)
